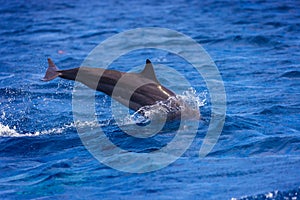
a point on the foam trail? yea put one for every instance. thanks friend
(6, 131)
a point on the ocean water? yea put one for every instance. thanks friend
(256, 47)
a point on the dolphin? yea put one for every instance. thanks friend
(141, 89)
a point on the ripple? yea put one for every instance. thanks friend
(4, 76)
(280, 109)
(98, 33)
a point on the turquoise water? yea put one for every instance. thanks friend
(256, 47)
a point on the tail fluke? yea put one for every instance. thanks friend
(52, 71)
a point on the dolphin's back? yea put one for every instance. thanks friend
(143, 87)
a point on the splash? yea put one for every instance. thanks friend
(6, 131)
(189, 102)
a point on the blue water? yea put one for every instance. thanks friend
(256, 46)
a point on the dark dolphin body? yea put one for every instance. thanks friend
(149, 93)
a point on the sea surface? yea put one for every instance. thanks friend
(254, 44)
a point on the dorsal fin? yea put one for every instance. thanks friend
(149, 72)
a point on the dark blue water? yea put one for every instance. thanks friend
(256, 46)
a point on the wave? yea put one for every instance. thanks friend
(256, 40)
(290, 194)
(280, 109)
(97, 34)
(260, 146)
(291, 74)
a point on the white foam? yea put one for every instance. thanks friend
(6, 131)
